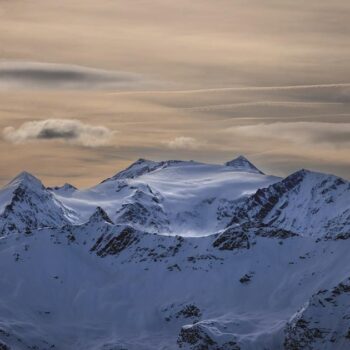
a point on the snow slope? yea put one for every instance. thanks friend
(178, 197)
(132, 290)
(176, 255)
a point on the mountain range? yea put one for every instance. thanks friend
(177, 255)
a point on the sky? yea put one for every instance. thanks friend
(87, 87)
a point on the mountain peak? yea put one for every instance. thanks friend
(66, 188)
(138, 168)
(241, 163)
(26, 179)
(142, 160)
(312, 175)
(100, 215)
(306, 203)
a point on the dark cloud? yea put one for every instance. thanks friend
(69, 130)
(50, 133)
(30, 75)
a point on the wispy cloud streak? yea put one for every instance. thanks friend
(37, 75)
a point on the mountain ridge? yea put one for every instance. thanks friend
(176, 255)
(300, 195)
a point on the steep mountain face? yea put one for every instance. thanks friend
(143, 210)
(176, 255)
(313, 326)
(27, 205)
(307, 203)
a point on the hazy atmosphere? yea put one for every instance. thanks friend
(87, 87)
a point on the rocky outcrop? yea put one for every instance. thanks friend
(323, 323)
(100, 215)
(116, 245)
(305, 203)
(189, 312)
(143, 210)
(231, 239)
(197, 337)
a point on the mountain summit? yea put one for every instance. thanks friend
(25, 179)
(25, 205)
(241, 163)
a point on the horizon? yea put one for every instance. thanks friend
(8, 181)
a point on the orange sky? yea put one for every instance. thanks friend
(166, 79)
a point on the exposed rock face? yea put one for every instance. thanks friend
(323, 323)
(182, 312)
(262, 230)
(100, 216)
(231, 239)
(189, 311)
(31, 206)
(117, 244)
(246, 278)
(141, 246)
(306, 203)
(196, 337)
(243, 164)
(243, 236)
(143, 210)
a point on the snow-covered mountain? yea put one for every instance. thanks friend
(172, 197)
(177, 255)
(25, 204)
(306, 202)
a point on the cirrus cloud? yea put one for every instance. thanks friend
(183, 142)
(68, 130)
(311, 133)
